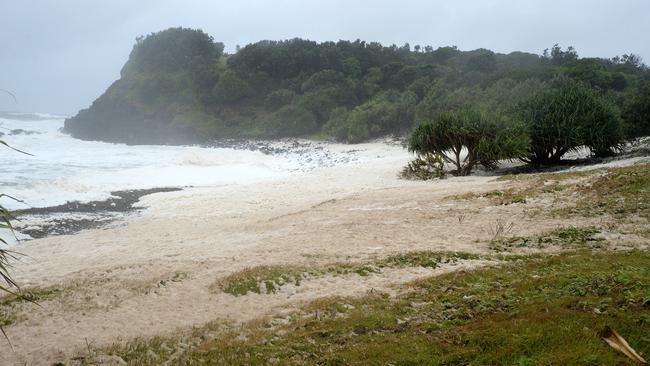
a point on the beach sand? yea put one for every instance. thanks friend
(153, 273)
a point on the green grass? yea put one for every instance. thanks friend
(576, 234)
(619, 192)
(9, 303)
(272, 278)
(427, 259)
(532, 311)
(566, 238)
(559, 176)
(256, 278)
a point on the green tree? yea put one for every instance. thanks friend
(278, 98)
(469, 137)
(352, 68)
(231, 87)
(388, 112)
(483, 62)
(566, 117)
(180, 77)
(636, 111)
(291, 120)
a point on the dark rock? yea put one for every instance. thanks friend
(101, 213)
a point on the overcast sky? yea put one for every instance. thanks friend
(58, 56)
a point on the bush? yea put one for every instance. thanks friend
(231, 87)
(566, 117)
(388, 112)
(484, 136)
(637, 111)
(291, 120)
(425, 167)
(337, 125)
(278, 98)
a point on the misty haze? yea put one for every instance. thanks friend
(340, 183)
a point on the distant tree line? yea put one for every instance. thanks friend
(179, 86)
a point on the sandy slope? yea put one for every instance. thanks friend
(152, 273)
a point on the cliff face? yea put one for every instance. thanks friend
(166, 75)
(113, 118)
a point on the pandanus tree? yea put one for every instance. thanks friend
(468, 137)
(6, 255)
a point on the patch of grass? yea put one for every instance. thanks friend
(567, 238)
(576, 234)
(427, 259)
(7, 316)
(619, 192)
(531, 311)
(269, 279)
(506, 197)
(558, 176)
(9, 304)
(519, 195)
(261, 279)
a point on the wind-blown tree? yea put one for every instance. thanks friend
(566, 117)
(6, 255)
(469, 137)
(5, 224)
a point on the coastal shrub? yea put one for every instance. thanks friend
(291, 120)
(231, 87)
(321, 102)
(566, 117)
(337, 125)
(424, 167)
(277, 99)
(388, 112)
(636, 111)
(469, 137)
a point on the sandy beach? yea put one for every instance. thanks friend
(154, 273)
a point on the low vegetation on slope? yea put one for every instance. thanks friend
(534, 309)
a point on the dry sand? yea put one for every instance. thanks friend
(151, 274)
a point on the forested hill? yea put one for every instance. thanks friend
(178, 86)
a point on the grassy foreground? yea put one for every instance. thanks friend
(533, 310)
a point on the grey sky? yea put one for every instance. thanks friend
(58, 56)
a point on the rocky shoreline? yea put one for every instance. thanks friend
(72, 217)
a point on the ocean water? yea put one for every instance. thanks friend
(66, 169)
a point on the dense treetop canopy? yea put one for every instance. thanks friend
(178, 86)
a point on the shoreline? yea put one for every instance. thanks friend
(74, 216)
